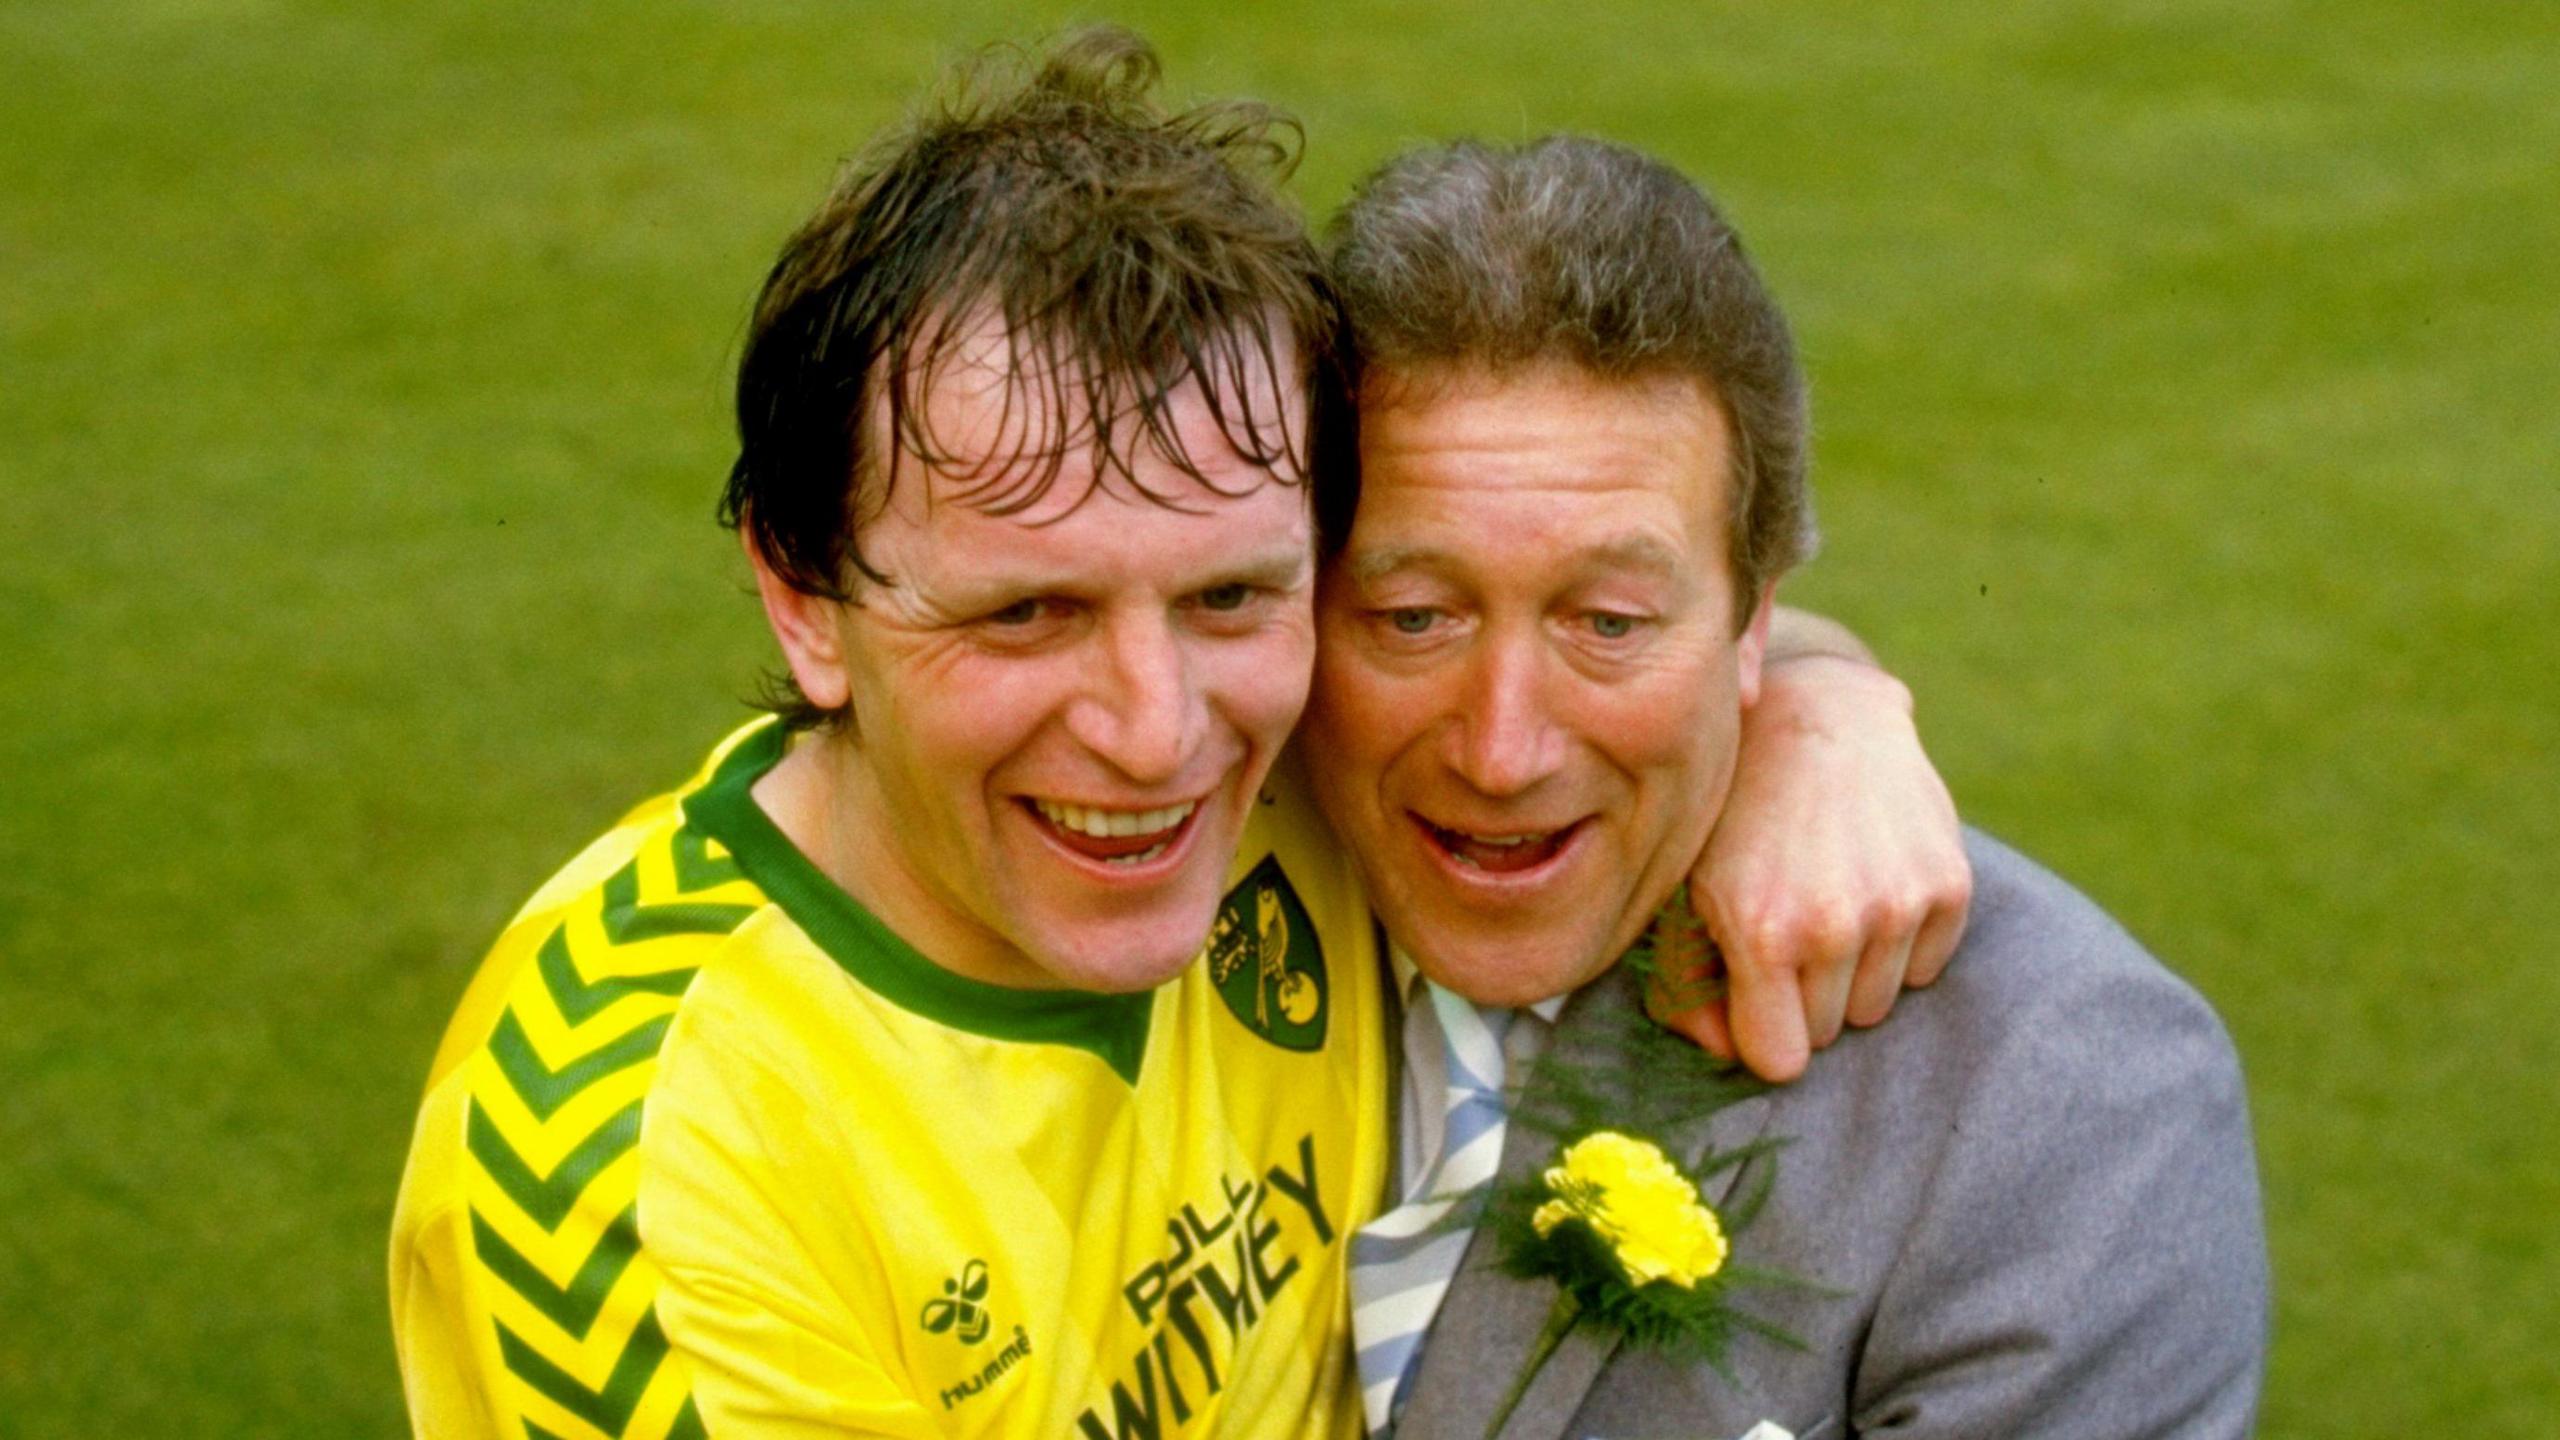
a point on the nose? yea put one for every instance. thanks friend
(1504, 741)
(1142, 711)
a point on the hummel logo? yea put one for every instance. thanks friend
(959, 1305)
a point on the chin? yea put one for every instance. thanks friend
(1511, 969)
(1122, 958)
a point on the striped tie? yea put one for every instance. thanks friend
(1402, 1262)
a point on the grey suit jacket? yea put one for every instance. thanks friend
(2034, 1185)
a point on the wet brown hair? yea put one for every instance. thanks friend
(1127, 251)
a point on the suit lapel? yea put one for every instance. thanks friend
(1481, 1341)
(1590, 1032)
(1489, 1321)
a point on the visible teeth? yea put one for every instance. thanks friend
(1459, 843)
(1104, 824)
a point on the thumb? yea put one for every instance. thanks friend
(1684, 989)
(1704, 1024)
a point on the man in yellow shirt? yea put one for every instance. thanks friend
(992, 1043)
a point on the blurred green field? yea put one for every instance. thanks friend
(2185, 375)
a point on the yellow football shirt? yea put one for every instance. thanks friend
(708, 1145)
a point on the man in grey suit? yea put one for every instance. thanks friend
(2032, 1199)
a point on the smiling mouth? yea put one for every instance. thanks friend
(1504, 854)
(1114, 837)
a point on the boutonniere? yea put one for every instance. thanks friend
(1631, 1248)
(1625, 1235)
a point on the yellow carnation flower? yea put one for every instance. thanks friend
(1637, 1201)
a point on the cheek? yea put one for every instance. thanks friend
(1359, 710)
(1678, 729)
(1349, 738)
(961, 715)
(1680, 753)
(1263, 684)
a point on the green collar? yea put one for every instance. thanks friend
(1112, 1027)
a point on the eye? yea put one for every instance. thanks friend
(1411, 619)
(1614, 623)
(1020, 612)
(1225, 597)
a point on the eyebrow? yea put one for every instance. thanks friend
(1636, 550)
(1386, 560)
(1277, 569)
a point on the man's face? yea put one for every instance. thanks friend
(1529, 687)
(1062, 716)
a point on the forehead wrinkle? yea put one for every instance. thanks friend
(1640, 551)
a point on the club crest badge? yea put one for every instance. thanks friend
(1266, 961)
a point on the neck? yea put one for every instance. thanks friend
(820, 798)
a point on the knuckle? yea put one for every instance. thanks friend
(1739, 925)
(1906, 910)
(1891, 913)
(1771, 940)
(1955, 887)
(1831, 930)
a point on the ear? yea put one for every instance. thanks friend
(808, 629)
(1753, 645)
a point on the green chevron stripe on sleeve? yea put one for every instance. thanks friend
(686, 1426)
(572, 1307)
(549, 1199)
(696, 867)
(626, 920)
(608, 1409)
(578, 997)
(543, 1089)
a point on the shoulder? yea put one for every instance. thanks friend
(557, 1041)
(527, 1131)
(2055, 1059)
(2058, 1082)
(2048, 1151)
(2047, 988)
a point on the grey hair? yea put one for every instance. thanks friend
(1474, 256)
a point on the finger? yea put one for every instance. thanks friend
(1826, 993)
(1939, 936)
(1767, 1011)
(1878, 982)
(1706, 1026)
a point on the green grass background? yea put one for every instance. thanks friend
(2185, 375)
